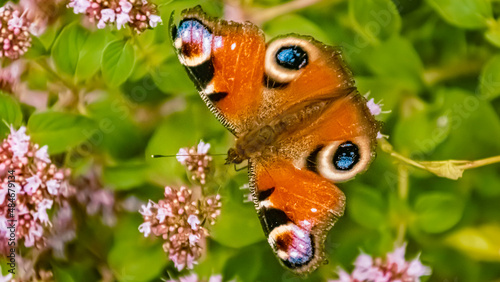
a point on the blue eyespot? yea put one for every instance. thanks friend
(346, 156)
(291, 57)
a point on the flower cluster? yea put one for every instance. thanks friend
(178, 219)
(194, 278)
(15, 38)
(37, 185)
(196, 160)
(96, 199)
(393, 268)
(138, 14)
(42, 13)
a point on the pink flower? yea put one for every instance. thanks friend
(42, 154)
(126, 6)
(18, 141)
(176, 219)
(154, 20)
(145, 228)
(121, 20)
(33, 183)
(193, 221)
(14, 32)
(139, 15)
(375, 109)
(196, 160)
(36, 184)
(393, 269)
(41, 213)
(53, 186)
(79, 6)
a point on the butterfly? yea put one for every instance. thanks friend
(297, 117)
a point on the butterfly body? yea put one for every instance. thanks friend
(298, 120)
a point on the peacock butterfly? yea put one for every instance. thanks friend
(298, 119)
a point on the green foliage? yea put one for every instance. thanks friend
(10, 114)
(105, 100)
(60, 131)
(117, 62)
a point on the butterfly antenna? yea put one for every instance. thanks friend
(186, 155)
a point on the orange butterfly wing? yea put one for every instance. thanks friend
(225, 61)
(298, 118)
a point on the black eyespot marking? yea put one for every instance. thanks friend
(291, 57)
(173, 32)
(273, 218)
(346, 156)
(271, 83)
(216, 96)
(202, 74)
(312, 159)
(265, 194)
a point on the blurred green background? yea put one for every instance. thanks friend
(113, 99)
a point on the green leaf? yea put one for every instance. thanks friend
(493, 32)
(473, 123)
(89, 61)
(66, 49)
(375, 19)
(438, 211)
(10, 112)
(464, 13)
(405, 64)
(60, 131)
(237, 226)
(245, 264)
(117, 134)
(133, 257)
(292, 23)
(36, 50)
(117, 62)
(171, 77)
(420, 129)
(481, 243)
(367, 207)
(124, 176)
(490, 79)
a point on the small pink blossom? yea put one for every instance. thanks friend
(146, 210)
(33, 183)
(107, 16)
(41, 213)
(145, 228)
(35, 231)
(42, 154)
(154, 20)
(121, 20)
(126, 6)
(53, 186)
(79, 6)
(18, 141)
(375, 109)
(193, 221)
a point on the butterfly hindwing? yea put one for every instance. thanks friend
(296, 208)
